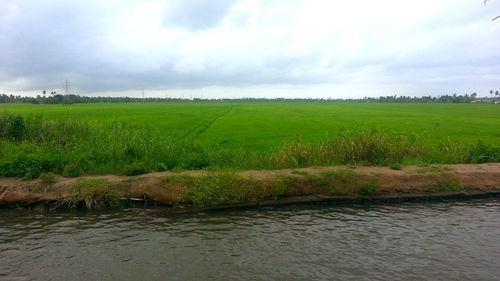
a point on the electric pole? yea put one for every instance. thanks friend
(66, 87)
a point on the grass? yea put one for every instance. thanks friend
(93, 194)
(432, 169)
(211, 189)
(48, 178)
(395, 166)
(219, 188)
(133, 139)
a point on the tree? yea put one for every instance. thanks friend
(491, 93)
(496, 93)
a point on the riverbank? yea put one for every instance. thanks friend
(194, 190)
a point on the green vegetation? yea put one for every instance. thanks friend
(219, 188)
(132, 139)
(432, 169)
(93, 194)
(369, 188)
(445, 186)
(341, 182)
(48, 178)
(395, 166)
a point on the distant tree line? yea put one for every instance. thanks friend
(55, 98)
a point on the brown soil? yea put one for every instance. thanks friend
(411, 180)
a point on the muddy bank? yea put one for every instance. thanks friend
(215, 189)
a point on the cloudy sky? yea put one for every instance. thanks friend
(243, 48)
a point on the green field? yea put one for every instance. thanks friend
(111, 138)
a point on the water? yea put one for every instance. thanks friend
(414, 241)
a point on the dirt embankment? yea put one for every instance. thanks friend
(205, 189)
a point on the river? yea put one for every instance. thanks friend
(455, 240)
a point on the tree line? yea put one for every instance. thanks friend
(55, 98)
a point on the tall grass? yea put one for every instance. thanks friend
(34, 145)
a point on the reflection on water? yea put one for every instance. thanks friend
(418, 241)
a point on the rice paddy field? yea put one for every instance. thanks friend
(135, 138)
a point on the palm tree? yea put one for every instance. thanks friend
(491, 93)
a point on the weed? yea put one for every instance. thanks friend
(48, 178)
(279, 188)
(483, 153)
(93, 193)
(217, 189)
(369, 188)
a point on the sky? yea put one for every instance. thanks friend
(250, 48)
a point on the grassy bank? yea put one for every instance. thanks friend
(209, 189)
(30, 146)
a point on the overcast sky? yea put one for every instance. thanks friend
(243, 48)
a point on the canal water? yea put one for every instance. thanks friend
(411, 241)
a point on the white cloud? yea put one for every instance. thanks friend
(353, 47)
(188, 65)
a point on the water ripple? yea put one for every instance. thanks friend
(439, 241)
